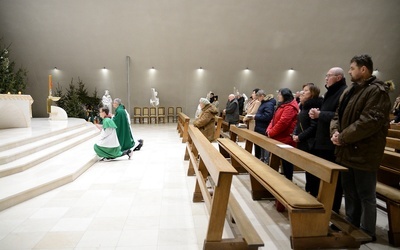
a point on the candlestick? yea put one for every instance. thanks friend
(50, 86)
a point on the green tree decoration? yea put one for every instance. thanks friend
(76, 101)
(11, 80)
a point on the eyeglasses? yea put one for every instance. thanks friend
(329, 75)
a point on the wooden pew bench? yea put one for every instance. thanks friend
(182, 126)
(393, 144)
(394, 133)
(395, 126)
(225, 128)
(302, 236)
(218, 126)
(212, 168)
(388, 190)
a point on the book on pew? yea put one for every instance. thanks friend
(241, 125)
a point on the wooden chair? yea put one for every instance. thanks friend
(137, 114)
(177, 111)
(161, 114)
(171, 114)
(145, 115)
(153, 115)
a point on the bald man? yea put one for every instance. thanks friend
(232, 110)
(323, 147)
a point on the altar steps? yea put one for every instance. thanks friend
(33, 165)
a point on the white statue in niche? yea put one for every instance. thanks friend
(107, 101)
(154, 101)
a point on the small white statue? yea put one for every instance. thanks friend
(154, 101)
(107, 100)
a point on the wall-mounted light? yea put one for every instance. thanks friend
(201, 68)
(55, 67)
(104, 67)
(291, 69)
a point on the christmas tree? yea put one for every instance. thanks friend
(11, 80)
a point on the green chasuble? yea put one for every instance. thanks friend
(123, 129)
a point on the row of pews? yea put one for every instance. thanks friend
(388, 186)
(309, 217)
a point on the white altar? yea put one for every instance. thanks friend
(16, 111)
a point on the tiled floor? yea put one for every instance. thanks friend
(143, 203)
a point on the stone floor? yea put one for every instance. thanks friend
(144, 203)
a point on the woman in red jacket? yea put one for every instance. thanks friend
(283, 124)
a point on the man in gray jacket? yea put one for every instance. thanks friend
(232, 110)
(359, 130)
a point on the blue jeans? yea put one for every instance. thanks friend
(360, 198)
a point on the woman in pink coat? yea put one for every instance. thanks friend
(283, 124)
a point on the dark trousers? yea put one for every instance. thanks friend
(312, 182)
(287, 168)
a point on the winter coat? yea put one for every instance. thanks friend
(264, 114)
(284, 122)
(232, 111)
(206, 121)
(363, 125)
(252, 109)
(327, 112)
(307, 127)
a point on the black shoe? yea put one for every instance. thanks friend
(129, 154)
(138, 147)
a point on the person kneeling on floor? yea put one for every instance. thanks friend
(108, 146)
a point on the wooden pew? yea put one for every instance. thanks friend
(388, 190)
(182, 126)
(309, 225)
(218, 126)
(212, 168)
(225, 127)
(394, 133)
(395, 126)
(393, 144)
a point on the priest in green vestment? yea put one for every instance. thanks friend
(123, 128)
(108, 145)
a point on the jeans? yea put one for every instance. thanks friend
(360, 198)
(261, 154)
(264, 156)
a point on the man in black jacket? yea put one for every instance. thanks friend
(323, 147)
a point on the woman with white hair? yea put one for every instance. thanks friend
(206, 121)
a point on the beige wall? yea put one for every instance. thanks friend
(179, 36)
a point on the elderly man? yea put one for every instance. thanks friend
(359, 131)
(323, 147)
(232, 110)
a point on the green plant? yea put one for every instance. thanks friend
(76, 101)
(11, 79)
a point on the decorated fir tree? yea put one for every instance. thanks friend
(12, 80)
